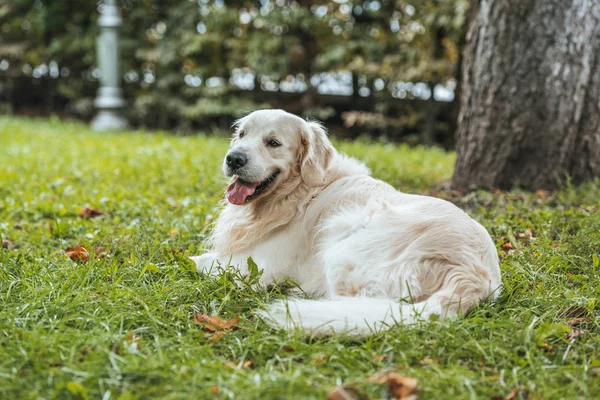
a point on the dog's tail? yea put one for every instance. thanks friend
(355, 316)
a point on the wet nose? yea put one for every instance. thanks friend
(236, 160)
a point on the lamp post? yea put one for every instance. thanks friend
(109, 100)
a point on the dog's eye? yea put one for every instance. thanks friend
(273, 143)
(241, 134)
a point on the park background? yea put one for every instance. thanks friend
(376, 68)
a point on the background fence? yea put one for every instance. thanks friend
(381, 68)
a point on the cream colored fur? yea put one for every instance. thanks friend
(369, 255)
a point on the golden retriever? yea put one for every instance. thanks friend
(371, 256)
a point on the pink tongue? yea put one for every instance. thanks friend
(237, 192)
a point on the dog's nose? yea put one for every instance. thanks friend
(236, 160)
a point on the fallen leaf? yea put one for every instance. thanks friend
(18, 227)
(78, 253)
(9, 244)
(90, 212)
(401, 387)
(529, 232)
(513, 395)
(507, 246)
(218, 335)
(288, 349)
(343, 393)
(574, 334)
(214, 323)
(214, 389)
(541, 194)
(101, 253)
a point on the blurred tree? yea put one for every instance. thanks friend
(33, 44)
(531, 88)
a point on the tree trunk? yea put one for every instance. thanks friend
(530, 114)
(430, 115)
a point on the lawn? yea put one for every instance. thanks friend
(121, 324)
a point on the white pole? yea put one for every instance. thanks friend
(109, 100)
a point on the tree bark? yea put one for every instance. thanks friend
(530, 96)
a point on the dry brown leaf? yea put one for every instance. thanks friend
(343, 393)
(9, 244)
(90, 212)
(507, 246)
(214, 389)
(513, 395)
(541, 194)
(78, 253)
(529, 232)
(101, 253)
(401, 387)
(213, 323)
(288, 349)
(218, 335)
(574, 334)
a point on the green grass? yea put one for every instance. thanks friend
(121, 326)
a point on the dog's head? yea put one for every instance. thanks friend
(271, 148)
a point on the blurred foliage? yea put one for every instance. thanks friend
(194, 63)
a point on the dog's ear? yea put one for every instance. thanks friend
(316, 153)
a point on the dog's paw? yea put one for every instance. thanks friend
(206, 263)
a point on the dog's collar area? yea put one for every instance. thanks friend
(262, 186)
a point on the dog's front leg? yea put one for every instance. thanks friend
(210, 263)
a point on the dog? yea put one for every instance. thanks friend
(369, 255)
